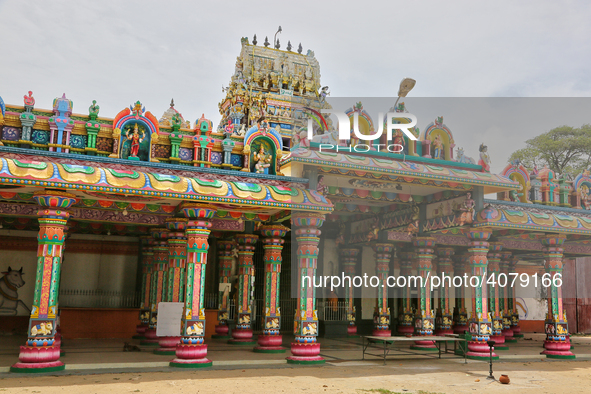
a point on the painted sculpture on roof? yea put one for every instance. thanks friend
(544, 187)
(134, 133)
(61, 125)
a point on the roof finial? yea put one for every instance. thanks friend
(300, 49)
(275, 39)
(172, 102)
(289, 46)
(277, 45)
(266, 42)
(254, 40)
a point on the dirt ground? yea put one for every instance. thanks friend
(408, 376)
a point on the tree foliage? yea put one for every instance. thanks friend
(565, 150)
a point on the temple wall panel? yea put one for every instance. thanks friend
(89, 264)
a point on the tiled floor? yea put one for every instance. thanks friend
(106, 355)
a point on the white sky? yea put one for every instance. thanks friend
(117, 52)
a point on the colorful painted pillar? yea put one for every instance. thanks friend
(406, 318)
(460, 312)
(191, 352)
(147, 258)
(175, 275)
(382, 312)
(225, 250)
(305, 349)
(480, 322)
(348, 258)
(271, 340)
(495, 296)
(42, 353)
(443, 323)
(505, 297)
(424, 318)
(158, 285)
(513, 303)
(557, 343)
(242, 334)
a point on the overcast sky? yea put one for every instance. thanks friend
(117, 52)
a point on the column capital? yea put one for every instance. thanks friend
(197, 210)
(176, 224)
(307, 219)
(274, 231)
(246, 240)
(552, 240)
(424, 249)
(478, 233)
(225, 246)
(159, 233)
(54, 199)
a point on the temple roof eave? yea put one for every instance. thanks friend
(172, 187)
(491, 183)
(501, 215)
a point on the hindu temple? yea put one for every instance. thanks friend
(138, 210)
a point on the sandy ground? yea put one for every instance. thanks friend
(408, 376)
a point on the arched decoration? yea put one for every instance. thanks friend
(366, 126)
(438, 141)
(517, 173)
(581, 196)
(265, 161)
(126, 140)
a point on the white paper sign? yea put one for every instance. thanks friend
(169, 319)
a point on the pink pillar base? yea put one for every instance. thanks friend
(406, 330)
(508, 333)
(480, 350)
(516, 330)
(444, 331)
(141, 329)
(151, 339)
(557, 349)
(241, 336)
(305, 353)
(150, 335)
(381, 333)
(270, 344)
(460, 328)
(424, 345)
(38, 359)
(58, 340)
(191, 356)
(222, 330)
(167, 345)
(351, 330)
(38, 367)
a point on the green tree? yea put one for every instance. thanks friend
(565, 150)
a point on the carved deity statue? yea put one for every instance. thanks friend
(484, 158)
(135, 140)
(263, 161)
(321, 187)
(398, 138)
(437, 146)
(93, 110)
